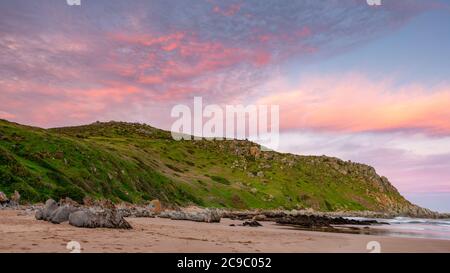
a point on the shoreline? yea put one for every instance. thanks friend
(250, 213)
(362, 214)
(20, 232)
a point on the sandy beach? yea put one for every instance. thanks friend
(22, 233)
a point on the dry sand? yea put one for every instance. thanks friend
(22, 233)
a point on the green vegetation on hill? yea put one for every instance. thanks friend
(136, 163)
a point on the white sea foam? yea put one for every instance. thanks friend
(413, 227)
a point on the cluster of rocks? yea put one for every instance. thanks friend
(150, 210)
(104, 214)
(193, 214)
(311, 221)
(296, 218)
(94, 217)
(13, 201)
(257, 215)
(137, 212)
(410, 211)
(54, 212)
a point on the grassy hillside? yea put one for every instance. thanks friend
(136, 163)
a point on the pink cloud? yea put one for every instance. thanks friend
(93, 66)
(147, 39)
(173, 62)
(192, 56)
(6, 115)
(354, 103)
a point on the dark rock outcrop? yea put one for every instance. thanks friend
(312, 221)
(252, 223)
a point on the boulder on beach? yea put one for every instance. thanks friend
(83, 218)
(39, 215)
(61, 214)
(46, 212)
(143, 212)
(106, 219)
(131, 211)
(202, 215)
(155, 206)
(111, 218)
(3, 198)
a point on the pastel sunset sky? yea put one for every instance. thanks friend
(364, 83)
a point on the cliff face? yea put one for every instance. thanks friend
(136, 162)
(386, 195)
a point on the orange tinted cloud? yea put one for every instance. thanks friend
(354, 103)
(179, 64)
(6, 115)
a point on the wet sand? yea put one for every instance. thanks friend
(22, 233)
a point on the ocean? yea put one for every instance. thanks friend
(412, 227)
